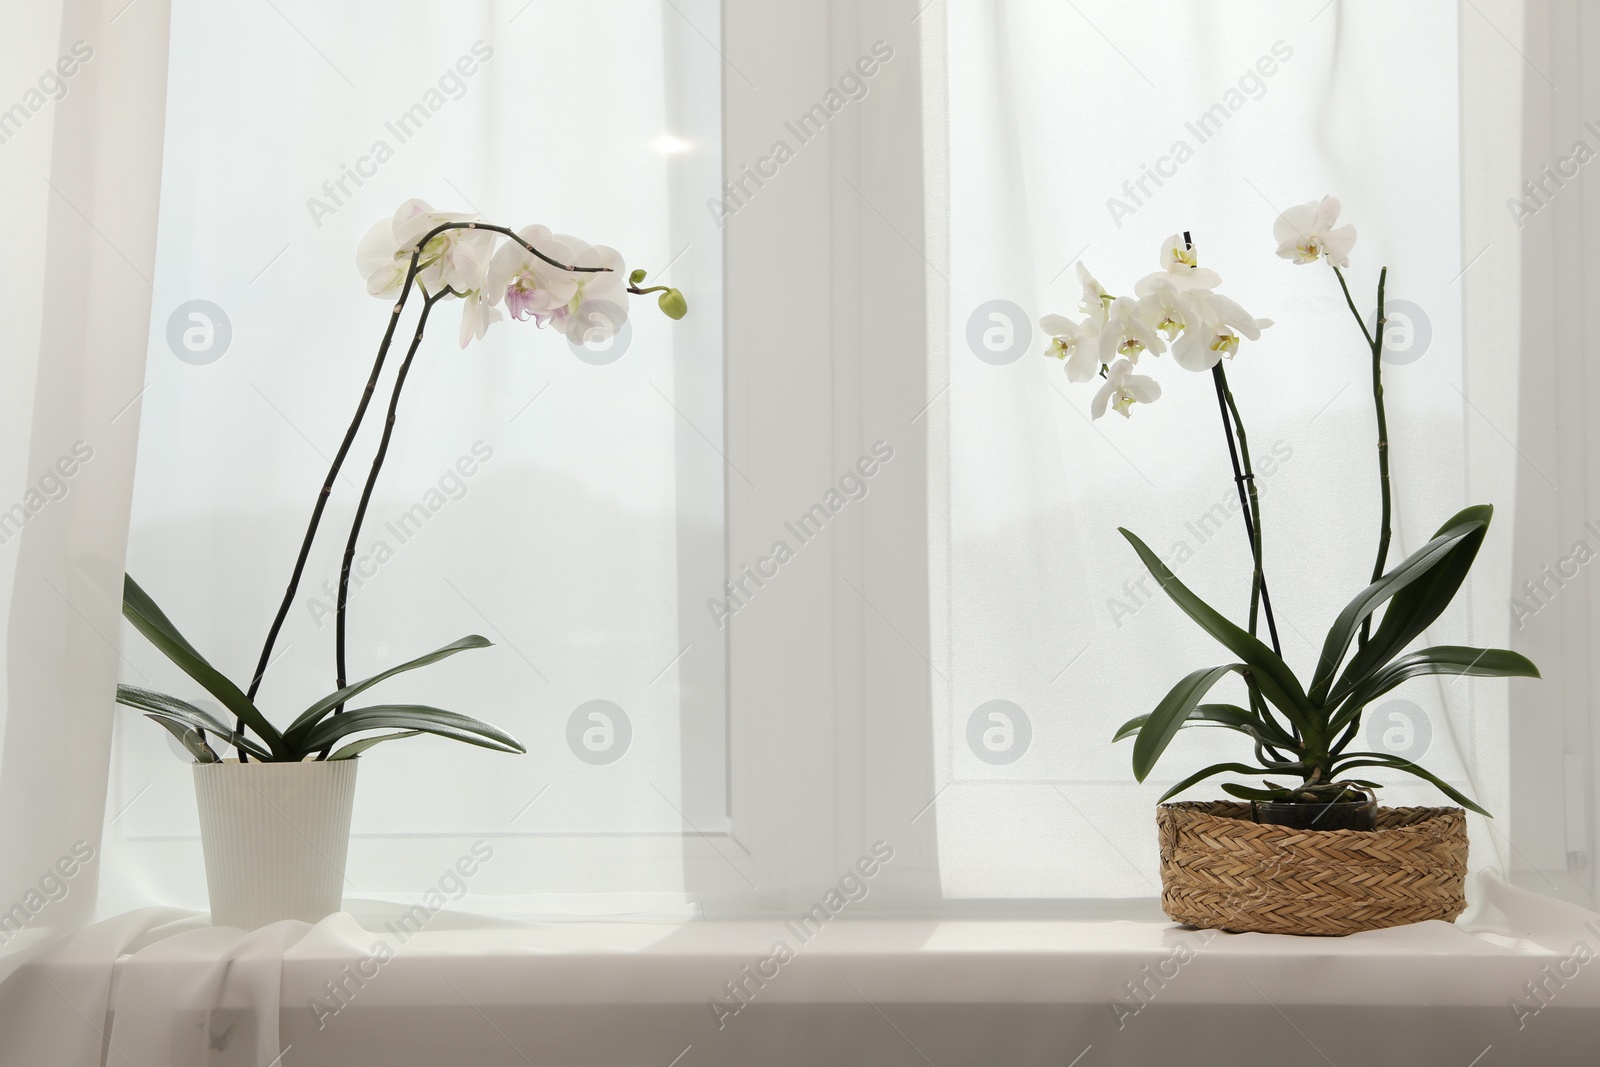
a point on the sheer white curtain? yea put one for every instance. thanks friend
(568, 506)
(80, 163)
(1087, 134)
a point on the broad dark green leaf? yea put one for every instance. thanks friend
(411, 717)
(1130, 728)
(1440, 659)
(1415, 608)
(187, 736)
(1245, 792)
(197, 718)
(355, 748)
(1256, 725)
(136, 599)
(1170, 715)
(149, 620)
(1413, 568)
(1384, 759)
(1230, 716)
(1274, 678)
(309, 718)
(1214, 769)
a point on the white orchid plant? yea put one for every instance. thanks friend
(1300, 733)
(557, 280)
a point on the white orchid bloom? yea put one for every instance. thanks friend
(587, 306)
(597, 310)
(1123, 389)
(478, 313)
(529, 285)
(1076, 344)
(1214, 330)
(1180, 268)
(455, 259)
(1128, 332)
(1167, 308)
(1305, 233)
(1095, 300)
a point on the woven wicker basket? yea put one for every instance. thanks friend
(1222, 871)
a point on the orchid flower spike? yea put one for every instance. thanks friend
(1306, 233)
(1123, 389)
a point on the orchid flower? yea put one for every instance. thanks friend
(597, 310)
(1305, 233)
(529, 285)
(1180, 268)
(1123, 389)
(1167, 308)
(1128, 332)
(1095, 300)
(478, 313)
(454, 259)
(1214, 330)
(1076, 344)
(587, 307)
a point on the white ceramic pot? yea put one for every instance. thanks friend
(275, 837)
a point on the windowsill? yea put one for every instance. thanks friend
(621, 992)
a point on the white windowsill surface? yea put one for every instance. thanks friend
(869, 991)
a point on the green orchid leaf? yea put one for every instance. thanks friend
(1214, 769)
(1130, 728)
(1412, 569)
(1440, 659)
(149, 620)
(1271, 675)
(412, 717)
(1384, 759)
(187, 736)
(355, 748)
(196, 718)
(1170, 715)
(295, 735)
(1415, 607)
(1228, 716)
(1262, 729)
(1245, 792)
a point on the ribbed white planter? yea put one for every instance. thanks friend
(275, 837)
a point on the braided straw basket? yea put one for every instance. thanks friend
(1222, 871)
